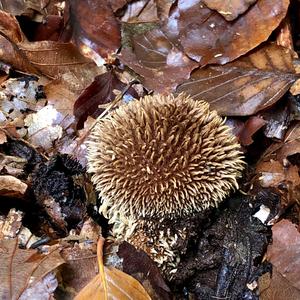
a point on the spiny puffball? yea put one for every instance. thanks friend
(163, 157)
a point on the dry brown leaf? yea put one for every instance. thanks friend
(289, 146)
(284, 252)
(19, 7)
(111, 283)
(41, 290)
(272, 173)
(161, 65)
(11, 224)
(229, 9)
(10, 27)
(60, 97)
(277, 287)
(140, 11)
(46, 57)
(11, 186)
(95, 26)
(20, 269)
(3, 138)
(11, 227)
(209, 39)
(245, 86)
(11, 165)
(251, 126)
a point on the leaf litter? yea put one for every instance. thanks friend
(79, 59)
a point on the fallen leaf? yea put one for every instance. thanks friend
(20, 7)
(229, 9)
(3, 138)
(161, 65)
(80, 268)
(11, 186)
(10, 27)
(95, 26)
(12, 224)
(284, 37)
(11, 165)
(117, 4)
(251, 126)
(208, 38)
(139, 265)
(41, 290)
(284, 252)
(11, 227)
(278, 288)
(289, 146)
(101, 91)
(140, 11)
(60, 96)
(273, 173)
(45, 57)
(21, 268)
(277, 119)
(245, 86)
(111, 283)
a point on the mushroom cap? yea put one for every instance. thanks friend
(163, 157)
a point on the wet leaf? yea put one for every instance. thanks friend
(208, 38)
(95, 26)
(229, 9)
(20, 268)
(245, 86)
(284, 252)
(161, 65)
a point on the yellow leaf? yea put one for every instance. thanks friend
(112, 284)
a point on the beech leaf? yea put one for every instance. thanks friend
(229, 9)
(21, 268)
(209, 39)
(95, 26)
(245, 86)
(111, 283)
(161, 65)
(284, 252)
(277, 287)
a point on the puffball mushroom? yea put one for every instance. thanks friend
(162, 157)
